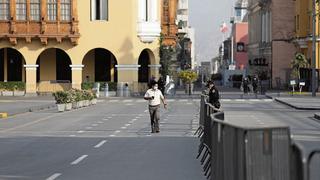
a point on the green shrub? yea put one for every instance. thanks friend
(87, 86)
(13, 86)
(61, 97)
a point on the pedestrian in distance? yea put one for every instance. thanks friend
(155, 97)
(245, 85)
(214, 95)
(161, 85)
(255, 82)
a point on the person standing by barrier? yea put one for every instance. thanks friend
(245, 85)
(214, 95)
(255, 82)
(154, 96)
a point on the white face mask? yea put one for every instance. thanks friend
(155, 88)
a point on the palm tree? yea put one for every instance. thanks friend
(298, 62)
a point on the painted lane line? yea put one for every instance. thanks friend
(170, 100)
(189, 103)
(128, 100)
(114, 101)
(117, 131)
(141, 100)
(226, 100)
(240, 100)
(54, 176)
(127, 125)
(112, 135)
(129, 104)
(100, 144)
(268, 100)
(79, 159)
(145, 110)
(100, 122)
(89, 127)
(80, 132)
(72, 135)
(183, 100)
(123, 127)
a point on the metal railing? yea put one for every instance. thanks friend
(230, 151)
(305, 163)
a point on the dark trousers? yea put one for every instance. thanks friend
(154, 117)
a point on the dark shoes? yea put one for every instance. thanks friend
(157, 131)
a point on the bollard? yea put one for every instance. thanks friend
(126, 90)
(106, 90)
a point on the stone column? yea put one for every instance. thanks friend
(154, 70)
(5, 65)
(142, 10)
(128, 73)
(76, 75)
(31, 79)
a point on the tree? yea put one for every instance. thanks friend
(166, 55)
(188, 77)
(298, 62)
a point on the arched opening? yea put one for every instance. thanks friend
(11, 65)
(144, 62)
(99, 66)
(54, 71)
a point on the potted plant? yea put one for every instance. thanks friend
(60, 97)
(188, 77)
(94, 99)
(69, 101)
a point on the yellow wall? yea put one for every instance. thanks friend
(88, 62)
(118, 35)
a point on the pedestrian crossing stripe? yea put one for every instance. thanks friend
(190, 100)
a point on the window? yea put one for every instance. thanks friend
(52, 10)
(65, 10)
(21, 10)
(35, 10)
(4, 9)
(99, 10)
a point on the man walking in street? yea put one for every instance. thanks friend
(154, 96)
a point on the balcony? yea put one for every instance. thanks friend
(149, 31)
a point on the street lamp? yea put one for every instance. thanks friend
(314, 38)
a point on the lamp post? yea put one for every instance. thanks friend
(314, 38)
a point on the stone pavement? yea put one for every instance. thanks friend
(18, 105)
(300, 102)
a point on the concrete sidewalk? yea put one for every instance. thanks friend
(18, 105)
(301, 102)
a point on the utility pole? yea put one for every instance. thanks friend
(314, 40)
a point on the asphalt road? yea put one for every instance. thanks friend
(111, 140)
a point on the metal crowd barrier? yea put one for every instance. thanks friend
(233, 151)
(305, 155)
(204, 133)
(249, 152)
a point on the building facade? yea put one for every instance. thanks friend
(271, 29)
(169, 23)
(51, 44)
(303, 36)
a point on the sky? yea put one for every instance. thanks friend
(206, 16)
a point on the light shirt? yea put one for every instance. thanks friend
(157, 97)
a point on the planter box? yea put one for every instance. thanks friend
(7, 93)
(94, 101)
(75, 105)
(68, 106)
(61, 107)
(18, 93)
(86, 103)
(81, 104)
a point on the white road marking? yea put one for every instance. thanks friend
(148, 135)
(254, 100)
(100, 122)
(100, 144)
(117, 131)
(170, 100)
(72, 135)
(141, 100)
(80, 132)
(54, 176)
(145, 110)
(225, 100)
(114, 101)
(196, 100)
(124, 127)
(127, 125)
(128, 100)
(89, 127)
(240, 100)
(128, 104)
(94, 124)
(268, 100)
(79, 159)
(112, 135)
(189, 103)
(183, 100)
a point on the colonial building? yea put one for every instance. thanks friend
(271, 29)
(169, 23)
(58, 44)
(303, 36)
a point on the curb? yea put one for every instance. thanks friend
(295, 107)
(32, 109)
